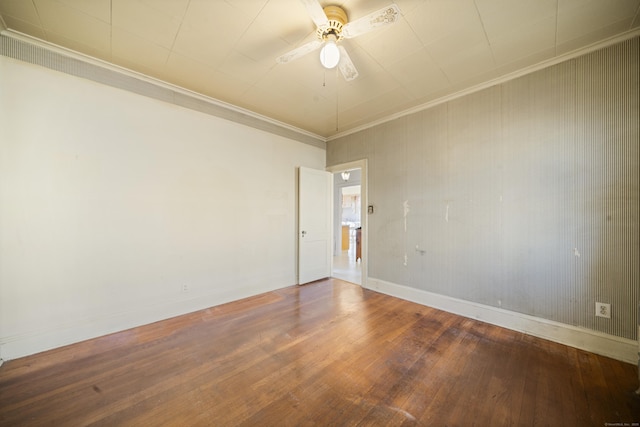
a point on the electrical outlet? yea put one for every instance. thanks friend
(185, 289)
(603, 310)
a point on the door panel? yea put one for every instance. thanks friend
(314, 234)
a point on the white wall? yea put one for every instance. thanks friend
(110, 202)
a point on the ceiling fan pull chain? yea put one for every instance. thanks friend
(337, 95)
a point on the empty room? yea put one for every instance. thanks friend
(174, 248)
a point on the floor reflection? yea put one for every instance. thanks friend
(346, 268)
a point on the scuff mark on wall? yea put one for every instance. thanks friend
(406, 209)
(405, 206)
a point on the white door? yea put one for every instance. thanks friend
(314, 219)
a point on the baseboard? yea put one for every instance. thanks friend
(596, 342)
(622, 349)
(54, 336)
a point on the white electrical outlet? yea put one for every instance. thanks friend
(185, 289)
(603, 310)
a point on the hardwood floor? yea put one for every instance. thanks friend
(328, 354)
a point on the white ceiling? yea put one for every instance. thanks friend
(226, 49)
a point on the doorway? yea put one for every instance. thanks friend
(349, 219)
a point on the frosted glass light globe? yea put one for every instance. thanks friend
(329, 54)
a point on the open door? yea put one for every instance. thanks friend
(359, 275)
(315, 220)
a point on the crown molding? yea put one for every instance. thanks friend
(502, 79)
(215, 107)
(259, 121)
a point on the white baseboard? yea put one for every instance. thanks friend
(54, 336)
(585, 339)
(622, 349)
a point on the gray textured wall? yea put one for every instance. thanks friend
(523, 196)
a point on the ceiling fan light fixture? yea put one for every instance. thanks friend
(333, 26)
(330, 54)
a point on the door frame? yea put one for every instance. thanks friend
(364, 215)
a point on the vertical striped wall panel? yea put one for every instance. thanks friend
(524, 195)
(607, 185)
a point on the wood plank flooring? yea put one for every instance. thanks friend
(325, 354)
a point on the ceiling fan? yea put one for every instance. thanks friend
(332, 27)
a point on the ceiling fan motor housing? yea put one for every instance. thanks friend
(337, 19)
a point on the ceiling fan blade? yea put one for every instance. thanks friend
(300, 51)
(385, 16)
(346, 66)
(316, 12)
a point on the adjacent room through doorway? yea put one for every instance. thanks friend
(347, 248)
